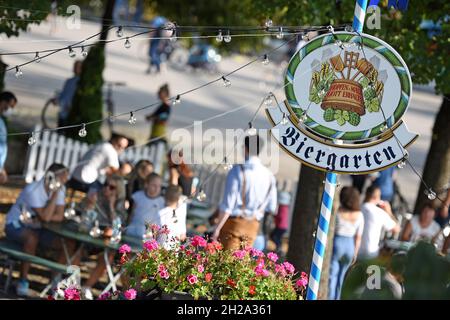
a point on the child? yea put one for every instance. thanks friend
(146, 205)
(174, 216)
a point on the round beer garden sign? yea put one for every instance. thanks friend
(346, 94)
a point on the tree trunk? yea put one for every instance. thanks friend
(107, 21)
(437, 167)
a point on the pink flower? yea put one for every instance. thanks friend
(198, 241)
(208, 277)
(182, 247)
(256, 253)
(289, 267)
(164, 274)
(192, 279)
(151, 245)
(104, 296)
(304, 275)
(302, 282)
(272, 256)
(161, 267)
(260, 271)
(165, 230)
(239, 254)
(130, 294)
(71, 293)
(154, 228)
(200, 268)
(279, 268)
(124, 249)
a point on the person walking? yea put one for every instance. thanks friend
(7, 103)
(347, 239)
(250, 191)
(160, 117)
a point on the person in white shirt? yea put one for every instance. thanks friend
(377, 216)
(40, 201)
(173, 216)
(146, 206)
(97, 163)
(422, 226)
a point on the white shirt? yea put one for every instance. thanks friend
(346, 228)
(175, 222)
(145, 211)
(94, 162)
(418, 232)
(33, 196)
(375, 220)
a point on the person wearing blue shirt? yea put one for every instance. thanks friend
(385, 182)
(250, 191)
(64, 99)
(7, 103)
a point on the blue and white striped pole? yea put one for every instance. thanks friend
(328, 194)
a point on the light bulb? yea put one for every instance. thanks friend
(37, 59)
(19, 72)
(303, 118)
(268, 23)
(83, 132)
(226, 82)
(177, 100)
(401, 164)
(268, 101)
(280, 33)
(83, 52)
(431, 194)
(72, 53)
(119, 32)
(251, 131)
(384, 127)
(227, 38)
(132, 119)
(265, 60)
(219, 36)
(201, 196)
(127, 43)
(284, 121)
(32, 139)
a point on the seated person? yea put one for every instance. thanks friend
(43, 200)
(377, 217)
(100, 161)
(108, 204)
(422, 226)
(137, 177)
(173, 215)
(146, 205)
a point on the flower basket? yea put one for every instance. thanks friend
(198, 269)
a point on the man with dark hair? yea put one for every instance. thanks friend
(377, 217)
(7, 103)
(100, 161)
(250, 191)
(40, 201)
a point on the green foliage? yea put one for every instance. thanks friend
(341, 116)
(87, 103)
(354, 118)
(427, 58)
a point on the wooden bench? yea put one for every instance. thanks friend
(11, 253)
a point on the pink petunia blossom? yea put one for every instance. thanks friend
(302, 282)
(192, 279)
(151, 245)
(279, 268)
(256, 253)
(161, 267)
(164, 274)
(130, 294)
(200, 268)
(124, 249)
(304, 275)
(71, 293)
(272, 256)
(289, 267)
(239, 254)
(260, 271)
(208, 277)
(198, 241)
